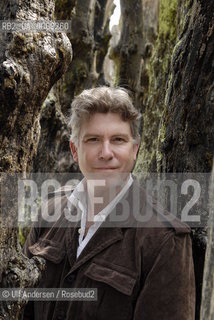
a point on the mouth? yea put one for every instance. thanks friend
(104, 168)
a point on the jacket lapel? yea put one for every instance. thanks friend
(103, 238)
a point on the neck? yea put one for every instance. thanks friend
(99, 194)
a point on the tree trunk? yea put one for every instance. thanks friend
(127, 55)
(54, 139)
(207, 304)
(102, 36)
(178, 119)
(159, 46)
(187, 143)
(189, 112)
(30, 63)
(78, 75)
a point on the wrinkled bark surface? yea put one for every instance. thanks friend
(54, 139)
(30, 63)
(178, 118)
(187, 142)
(189, 115)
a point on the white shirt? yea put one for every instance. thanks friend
(79, 196)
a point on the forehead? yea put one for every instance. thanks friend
(105, 123)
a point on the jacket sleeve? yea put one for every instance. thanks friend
(31, 239)
(168, 291)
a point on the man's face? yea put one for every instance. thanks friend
(106, 146)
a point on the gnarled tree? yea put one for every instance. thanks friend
(179, 117)
(30, 63)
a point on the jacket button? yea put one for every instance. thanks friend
(71, 278)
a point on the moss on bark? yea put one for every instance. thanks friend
(154, 99)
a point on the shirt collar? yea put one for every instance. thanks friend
(79, 196)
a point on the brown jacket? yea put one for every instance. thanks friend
(140, 273)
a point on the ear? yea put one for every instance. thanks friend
(74, 151)
(136, 149)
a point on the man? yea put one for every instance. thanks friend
(142, 271)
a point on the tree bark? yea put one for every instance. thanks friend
(54, 139)
(30, 63)
(102, 36)
(127, 55)
(158, 50)
(178, 119)
(189, 115)
(207, 304)
(79, 74)
(187, 131)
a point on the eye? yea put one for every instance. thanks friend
(92, 140)
(119, 140)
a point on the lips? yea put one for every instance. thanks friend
(105, 168)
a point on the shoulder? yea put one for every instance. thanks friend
(152, 214)
(156, 228)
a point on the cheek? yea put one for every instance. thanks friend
(128, 157)
(87, 155)
(127, 153)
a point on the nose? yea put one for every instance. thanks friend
(106, 152)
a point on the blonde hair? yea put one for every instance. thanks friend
(103, 100)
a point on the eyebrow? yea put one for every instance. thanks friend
(91, 134)
(88, 135)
